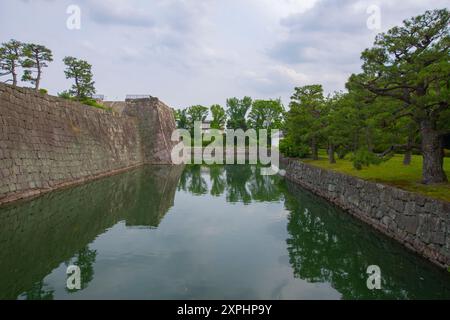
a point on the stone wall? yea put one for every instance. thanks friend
(422, 224)
(155, 123)
(67, 221)
(48, 142)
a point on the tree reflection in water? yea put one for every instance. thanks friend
(218, 181)
(85, 260)
(239, 183)
(324, 245)
(38, 291)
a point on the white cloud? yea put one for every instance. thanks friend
(203, 51)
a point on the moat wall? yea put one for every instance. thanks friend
(422, 224)
(47, 142)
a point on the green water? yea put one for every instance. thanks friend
(222, 232)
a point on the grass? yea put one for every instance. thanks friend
(392, 172)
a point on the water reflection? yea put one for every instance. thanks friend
(36, 236)
(211, 245)
(239, 183)
(328, 246)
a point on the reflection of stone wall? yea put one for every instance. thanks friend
(326, 245)
(37, 236)
(420, 223)
(47, 142)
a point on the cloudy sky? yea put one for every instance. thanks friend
(202, 51)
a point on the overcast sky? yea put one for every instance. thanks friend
(190, 52)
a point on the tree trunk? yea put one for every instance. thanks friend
(314, 150)
(14, 75)
(433, 157)
(331, 157)
(38, 77)
(408, 152)
(407, 158)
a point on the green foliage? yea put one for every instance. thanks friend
(266, 114)
(80, 71)
(304, 121)
(93, 103)
(185, 118)
(197, 113)
(399, 102)
(43, 91)
(410, 64)
(219, 117)
(65, 95)
(237, 112)
(365, 158)
(86, 100)
(10, 59)
(181, 119)
(293, 150)
(36, 58)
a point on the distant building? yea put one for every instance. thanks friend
(98, 97)
(206, 126)
(137, 96)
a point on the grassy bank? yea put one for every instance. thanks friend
(392, 172)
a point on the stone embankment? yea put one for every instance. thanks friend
(47, 142)
(422, 224)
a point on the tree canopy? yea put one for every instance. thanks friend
(219, 117)
(10, 59)
(81, 72)
(410, 64)
(36, 58)
(237, 110)
(266, 114)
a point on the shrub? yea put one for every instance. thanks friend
(87, 101)
(93, 103)
(43, 91)
(292, 150)
(65, 95)
(365, 158)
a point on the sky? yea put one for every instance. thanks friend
(189, 52)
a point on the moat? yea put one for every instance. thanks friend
(198, 232)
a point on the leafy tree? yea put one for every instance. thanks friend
(36, 58)
(181, 119)
(196, 113)
(10, 55)
(410, 63)
(266, 114)
(219, 117)
(237, 112)
(333, 129)
(81, 72)
(305, 118)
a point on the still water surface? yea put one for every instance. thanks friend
(219, 232)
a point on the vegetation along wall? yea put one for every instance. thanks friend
(48, 142)
(420, 223)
